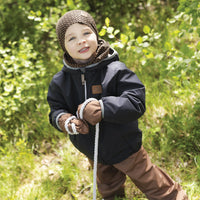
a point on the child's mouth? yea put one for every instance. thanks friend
(83, 50)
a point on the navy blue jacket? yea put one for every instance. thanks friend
(123, 98)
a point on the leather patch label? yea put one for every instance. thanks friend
(96, 89)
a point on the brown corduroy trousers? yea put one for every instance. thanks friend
(150, 179)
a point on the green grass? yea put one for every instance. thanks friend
(64, 173)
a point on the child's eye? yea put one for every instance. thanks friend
(71, 38)
(86, 33)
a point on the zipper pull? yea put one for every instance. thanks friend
(83, 79)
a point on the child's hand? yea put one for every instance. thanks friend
(81, 126)
(92, 112)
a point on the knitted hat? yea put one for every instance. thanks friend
(72, 17)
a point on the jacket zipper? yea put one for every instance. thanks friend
(83, 81)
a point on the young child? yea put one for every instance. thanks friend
(92, 69)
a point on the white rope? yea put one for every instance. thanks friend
(74, 132)
(72, 125)
(95, 160)
(80, 115)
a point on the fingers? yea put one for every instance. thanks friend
(62, 120)
(81, 126)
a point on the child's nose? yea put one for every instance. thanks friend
(81, 40)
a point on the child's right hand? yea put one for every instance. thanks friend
(81, 126)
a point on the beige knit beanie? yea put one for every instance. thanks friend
(72, 17)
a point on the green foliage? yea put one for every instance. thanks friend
(25, 19)
(21, 77)
(27, 37)
(190, 7)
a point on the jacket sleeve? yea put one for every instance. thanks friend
(56, 103)
(128, 103)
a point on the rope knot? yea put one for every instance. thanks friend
(74, 132)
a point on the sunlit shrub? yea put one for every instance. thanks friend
(22, 89)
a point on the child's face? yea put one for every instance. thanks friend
(80, 42)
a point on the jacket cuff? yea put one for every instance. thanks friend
(102, 108)
(57, 118)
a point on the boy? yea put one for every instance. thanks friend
(92, 69)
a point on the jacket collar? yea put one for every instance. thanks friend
(112, 56)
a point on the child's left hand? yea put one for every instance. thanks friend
(92, 112)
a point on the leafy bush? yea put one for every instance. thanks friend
(27, 62)
(22, 91)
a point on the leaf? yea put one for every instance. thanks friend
(198, 45)
(70, 3)
(171, 21)
(110, 29)
(139, 39)
(181, 34)
(146, 44)
(39, 13)
(8, 88)
(107, 21)
(123, 38)
(116, 32)
(168, 46)
(146, 29)
(150, 55)
(102, 32)
(111, 36)
(157, 36)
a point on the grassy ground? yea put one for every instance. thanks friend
(64, 173)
